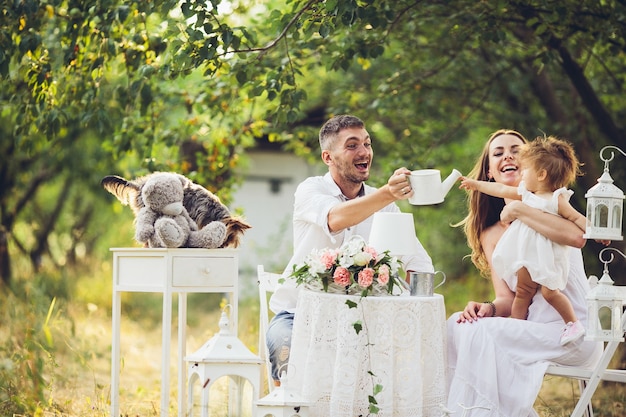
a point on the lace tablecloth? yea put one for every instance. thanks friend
(402, 343)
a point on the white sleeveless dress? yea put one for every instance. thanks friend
(498, 363)
(520, 246)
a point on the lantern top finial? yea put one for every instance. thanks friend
(224, 347)
(605, 188)
(607, 160)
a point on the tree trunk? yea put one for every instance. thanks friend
(5, 260)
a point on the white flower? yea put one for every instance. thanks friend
(394, 265)
(362, 258)
(353, 246)
(315, 264)
(332, 266)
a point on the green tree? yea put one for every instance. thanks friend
(189, 85)
(433, 77)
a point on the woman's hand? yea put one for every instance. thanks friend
(510, 211)
(473, 311)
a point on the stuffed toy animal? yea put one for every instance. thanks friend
(203, 222)
(165, 223)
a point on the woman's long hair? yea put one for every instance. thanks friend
(483, 210)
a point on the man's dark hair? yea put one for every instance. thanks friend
(335, 125)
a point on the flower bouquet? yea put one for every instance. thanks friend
(353, 268)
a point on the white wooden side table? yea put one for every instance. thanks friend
(169, 271)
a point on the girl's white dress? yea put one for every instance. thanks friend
(521, 246)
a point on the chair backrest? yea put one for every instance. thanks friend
(589, 378)
(268, 281)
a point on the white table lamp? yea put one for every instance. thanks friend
(394, 232)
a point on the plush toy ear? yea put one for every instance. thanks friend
(125, 191)
(185, 182)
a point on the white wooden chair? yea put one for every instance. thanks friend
(589, 379)
(268, 281)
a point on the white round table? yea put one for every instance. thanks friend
(402, 347)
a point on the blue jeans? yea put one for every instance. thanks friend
(278, 339)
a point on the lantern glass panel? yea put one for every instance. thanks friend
(605, 315)
(602, 215)
(617, 216)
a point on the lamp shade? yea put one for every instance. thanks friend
(394, 232)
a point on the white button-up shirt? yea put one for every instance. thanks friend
(314, 198)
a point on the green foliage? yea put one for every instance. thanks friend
(98, 87)
(26, 352)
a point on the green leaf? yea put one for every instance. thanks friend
(227, 37)
(358, 326)
(324, 30)
(242, 77)
(351, 304)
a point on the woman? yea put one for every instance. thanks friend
(496, 364)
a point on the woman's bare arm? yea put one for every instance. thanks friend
(555, 228)
(504, 296)
(503, 300)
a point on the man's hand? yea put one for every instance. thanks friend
(399, 185)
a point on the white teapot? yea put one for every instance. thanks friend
(428, 188)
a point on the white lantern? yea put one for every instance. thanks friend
(223, 355)
(605, 206)
(605, 296)
(282, 402)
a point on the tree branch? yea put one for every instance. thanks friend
(589, 98)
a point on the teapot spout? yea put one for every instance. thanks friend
(447, 184)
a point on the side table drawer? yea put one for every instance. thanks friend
(203, 271)
(141, 271)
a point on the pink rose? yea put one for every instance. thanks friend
(328, 258)
(341, 276)
(371, 251)
(383, 274)
(366, 277)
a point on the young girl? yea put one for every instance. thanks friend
(523, 258)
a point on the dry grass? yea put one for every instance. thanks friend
(81, 383)
(558, 398)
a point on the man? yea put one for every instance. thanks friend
(328, 211)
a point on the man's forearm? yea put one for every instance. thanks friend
(354, 211)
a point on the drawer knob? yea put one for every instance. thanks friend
(206, 270)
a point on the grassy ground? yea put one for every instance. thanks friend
(81, 386)
(75, 338)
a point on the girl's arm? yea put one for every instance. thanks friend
(555, 228)
(570, 213)
(493, 189)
